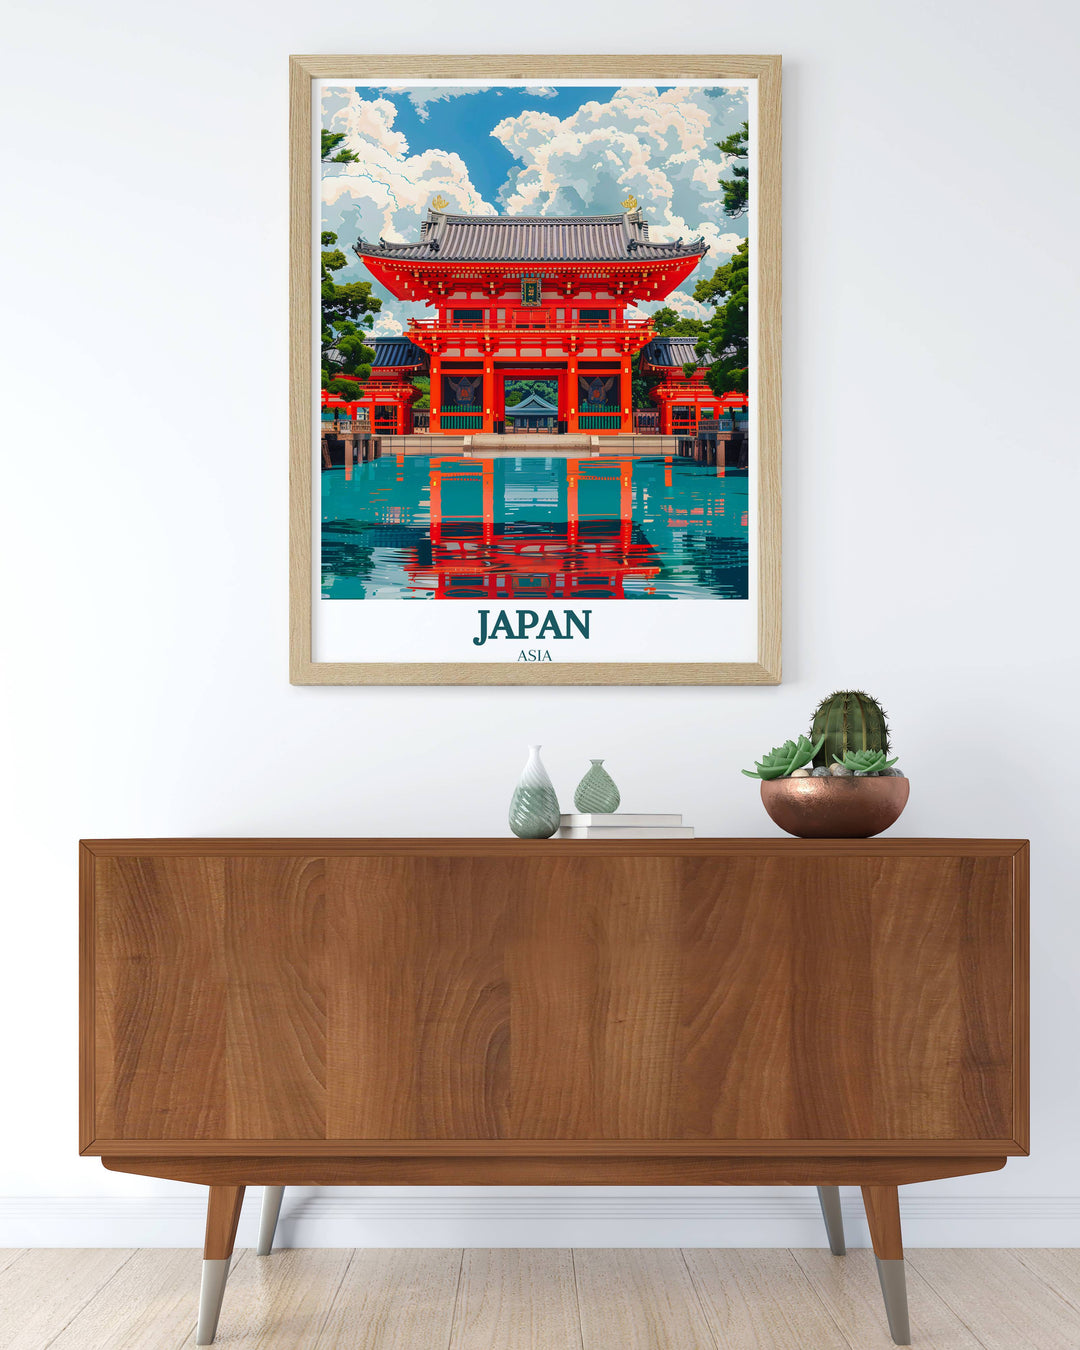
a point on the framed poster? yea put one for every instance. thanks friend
(535, 370)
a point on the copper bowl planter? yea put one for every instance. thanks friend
(834, 808)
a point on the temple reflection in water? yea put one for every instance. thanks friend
(506, 529)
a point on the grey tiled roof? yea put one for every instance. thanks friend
(619, 238)
(534, 404)
(398, 351)
(673, 351)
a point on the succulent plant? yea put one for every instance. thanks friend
(866, 761)
(848, 720)
(782, 760)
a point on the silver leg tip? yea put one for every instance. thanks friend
(214, 1275)
(894, 1291)
(829, 1198)
(271, 1207)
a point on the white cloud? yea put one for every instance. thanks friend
(368, 121)
(682, 303)
(386, 192)
(661, 147)
(421, 95)
(387, 324)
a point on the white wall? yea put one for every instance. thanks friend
(930, 522)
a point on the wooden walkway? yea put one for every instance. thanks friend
(543, 1299)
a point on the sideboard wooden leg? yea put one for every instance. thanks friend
(222, 1216)
(829, 1198)
(883, 1215)
(271, 1208)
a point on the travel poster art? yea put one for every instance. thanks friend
(536, 375)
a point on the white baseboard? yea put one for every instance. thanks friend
(538, 1217)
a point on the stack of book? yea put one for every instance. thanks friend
(623, 825)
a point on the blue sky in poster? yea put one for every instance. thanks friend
(537, 150)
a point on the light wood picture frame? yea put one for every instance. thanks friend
(318, 660)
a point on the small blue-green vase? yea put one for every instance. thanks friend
(597, 793)
(534, 808)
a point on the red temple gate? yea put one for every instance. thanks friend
(531, 297)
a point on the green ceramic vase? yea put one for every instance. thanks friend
(597, 793)
(534, 807)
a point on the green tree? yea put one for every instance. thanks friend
(517, 391)
(330, 142)
(347, 315)
(727, 335)
(736, 189)
(640, 385)
(346, 309)
(668, 323)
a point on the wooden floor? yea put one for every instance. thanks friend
(546, 1299)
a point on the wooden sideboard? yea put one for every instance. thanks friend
(460, 1011)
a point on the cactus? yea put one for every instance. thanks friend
(784, 759)
(848, 720)
(866, 761)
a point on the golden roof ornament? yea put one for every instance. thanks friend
(439, 203)
(631, 203)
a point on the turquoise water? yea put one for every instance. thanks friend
(664, 531)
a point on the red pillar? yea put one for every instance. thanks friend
(626, 396)
(487, 407)
(571, 404)
(435, 422)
